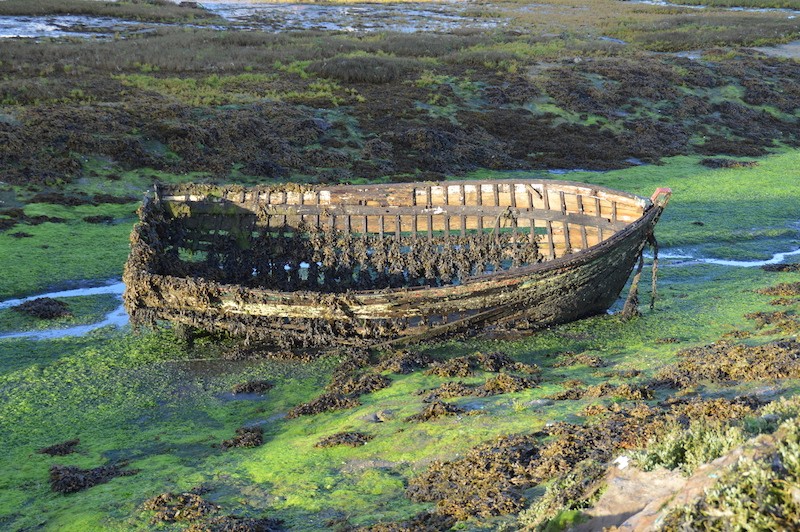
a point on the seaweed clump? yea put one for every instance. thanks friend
(726, 362)
(245, 437)
(404, 362)
(492, 362)
(629, 392)
(256, 386)
(350, 439)
(70, 479)
(782, 321)
(488, 481)
(324, 403)
(503, 383)
(436, 409)
(171, 507)
(571, 359)
(60, 449)
(44, 308)
(491, 479)
(233, 523)
(359, 384)
(781, 289)
(795, 267)
(719, 162)
(423, 522)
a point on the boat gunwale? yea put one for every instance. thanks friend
(642, 202)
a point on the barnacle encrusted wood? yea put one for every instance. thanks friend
(359, 264)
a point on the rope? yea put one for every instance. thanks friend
(654, 289)
(631, 308)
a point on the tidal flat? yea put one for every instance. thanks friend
(498, 429)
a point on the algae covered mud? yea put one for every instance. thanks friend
(510, 429)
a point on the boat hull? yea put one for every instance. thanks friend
(564, 289)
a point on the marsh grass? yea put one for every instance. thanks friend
(701, 31)
(245, 88)
(364, 68)
(751, 4)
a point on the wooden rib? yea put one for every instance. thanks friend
(463, 202)
(316, 202)
(398, 227)
(414, 228)
(550, 238)
(584, 239)
(285, 218)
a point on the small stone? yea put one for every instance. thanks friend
(384, 415)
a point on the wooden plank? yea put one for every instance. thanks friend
(550, 244)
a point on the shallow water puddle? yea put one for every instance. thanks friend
(404, 17)
(790, 12)
(62, 26)
(117, 317)
(683, 259)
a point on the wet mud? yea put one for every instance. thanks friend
(349, 439)
(245, 437)
(71, 479)
(60, 449)
(726, 362)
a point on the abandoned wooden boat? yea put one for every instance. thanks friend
(365, 264)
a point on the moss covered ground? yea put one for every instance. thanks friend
(89, 132)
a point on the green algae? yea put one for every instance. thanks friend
(148, 400)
